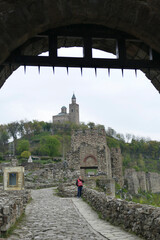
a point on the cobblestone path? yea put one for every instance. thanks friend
(49, 217)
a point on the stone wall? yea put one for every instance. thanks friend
(116, 162)
(12, 205)
(89, 149)
(40, 176)
(94, 137)
(142, 181)
(153, 182)
(144, 220)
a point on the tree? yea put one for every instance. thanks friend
(46, 126)
(50, 146)
(91, 125)
(120, 137)
(111, 132)
(140, 162)
(4, 136)
(27, 128)
(22, 145)
(13, 129)
(128, 137)
(21, 128)
(37, 127)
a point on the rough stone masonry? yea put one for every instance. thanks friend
(143, 220)
(12, 205)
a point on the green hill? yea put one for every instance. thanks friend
(50, 140)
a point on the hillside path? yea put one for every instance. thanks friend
(49, 217)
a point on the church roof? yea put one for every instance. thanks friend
(61, 113)
(73, 97)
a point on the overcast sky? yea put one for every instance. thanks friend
(127, 104)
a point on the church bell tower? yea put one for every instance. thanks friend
(74, 111)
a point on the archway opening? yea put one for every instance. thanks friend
(91, 91)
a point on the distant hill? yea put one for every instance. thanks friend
(41, 138)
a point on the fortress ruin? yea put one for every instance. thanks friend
(90, 155)
(72, 116)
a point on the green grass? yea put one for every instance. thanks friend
(147, 198)
(13, 227)
(30, 200)
(91, 170)
(142, 197)
(1, 179)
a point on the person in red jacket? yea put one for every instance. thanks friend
(79, 184)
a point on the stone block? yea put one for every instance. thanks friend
(6, 210)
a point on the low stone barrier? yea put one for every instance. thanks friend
(12, 205)
(67, 190)
(143, 220)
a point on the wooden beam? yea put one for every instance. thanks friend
(82, 62)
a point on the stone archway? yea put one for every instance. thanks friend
(90, 165)
(20, 21)
(90, 161)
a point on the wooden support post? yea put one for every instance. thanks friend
(52, 39)
(87, 49)
(121, 50)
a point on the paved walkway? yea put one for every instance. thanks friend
(49, 217)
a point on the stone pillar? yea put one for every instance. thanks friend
(142, 181)
(153, 182)
(116, 163)
(132, 181)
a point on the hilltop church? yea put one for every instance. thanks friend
(72, 116)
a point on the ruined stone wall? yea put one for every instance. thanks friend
(89, 149)
(116, 162)
(142, 181)
(48, 175)
(12, 205)
(73, 159)
(131, 179)
(153, 182)
(94, 137)
(105, 166)
(144, 220)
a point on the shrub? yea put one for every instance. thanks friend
(1, 156)
(25, 154)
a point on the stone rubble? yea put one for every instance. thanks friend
(12, 205)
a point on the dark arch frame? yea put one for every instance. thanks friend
(22, 20)
(140, 56)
